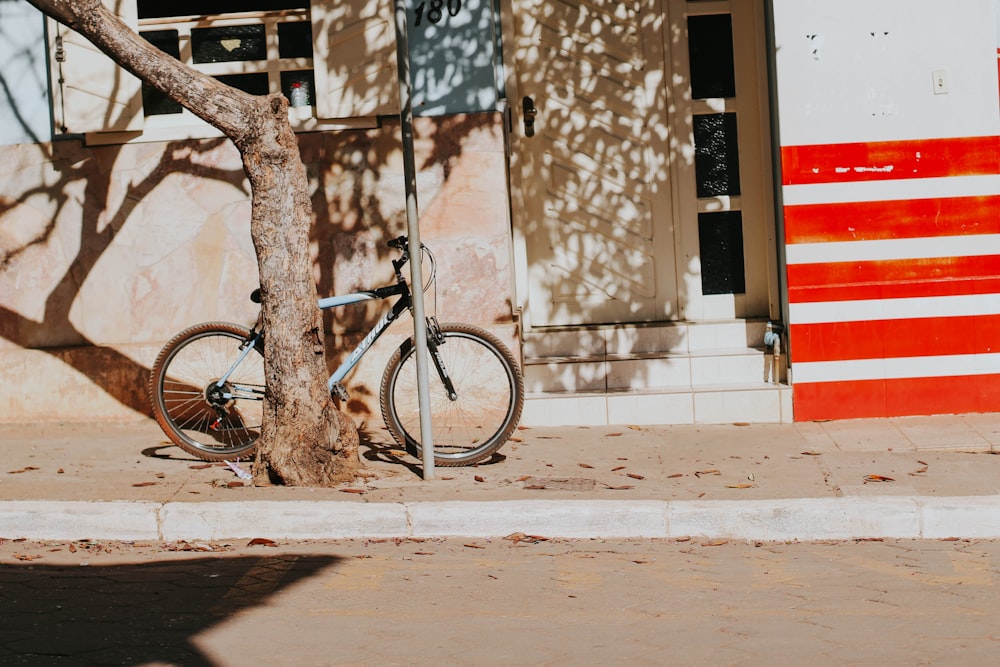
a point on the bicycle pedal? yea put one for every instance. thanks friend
(338, 391)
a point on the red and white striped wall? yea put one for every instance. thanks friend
(893, 266)
(891, 194)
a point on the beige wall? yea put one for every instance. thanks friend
(106, 252)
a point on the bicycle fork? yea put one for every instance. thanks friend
(434, 339)
(220, 393)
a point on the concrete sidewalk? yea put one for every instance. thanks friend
(918, 477)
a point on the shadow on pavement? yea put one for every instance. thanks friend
(133, 614)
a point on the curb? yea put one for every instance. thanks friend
(799, 519)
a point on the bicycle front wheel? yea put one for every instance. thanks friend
(477, 420)
(210, 420)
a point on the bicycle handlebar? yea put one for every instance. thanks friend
(399, 243)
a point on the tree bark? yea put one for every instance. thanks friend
(305, 440)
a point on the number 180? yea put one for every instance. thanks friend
(436, 11)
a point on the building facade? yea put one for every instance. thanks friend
(676, 211)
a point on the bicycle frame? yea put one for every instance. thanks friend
(404, 303)
(398, 308)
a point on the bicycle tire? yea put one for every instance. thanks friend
(212, 425)
(490, 396)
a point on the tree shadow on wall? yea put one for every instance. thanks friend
(100, 221)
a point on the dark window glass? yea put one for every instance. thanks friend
(228, 44)
(164, 40)
(710, 47)
(255, 84)
(154, 9)
(717, 156)
(155, 103)
(295, 40)
(720, 236)
(303, 77)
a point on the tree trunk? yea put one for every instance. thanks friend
(305, 440)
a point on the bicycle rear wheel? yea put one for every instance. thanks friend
(489, 395)
(201, 417)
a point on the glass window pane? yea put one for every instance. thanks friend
(255, 84)
(717, 155)
(164, 40)
(155, 103)
(153, 9)
(720, 236)
(710, 47)
(304, 79)
(228, 44)
(295, 40)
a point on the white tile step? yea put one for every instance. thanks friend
(597, 373)
(756, 403)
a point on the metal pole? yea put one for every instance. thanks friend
(413, 234)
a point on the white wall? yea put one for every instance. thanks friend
(24, 103)
(863, 70)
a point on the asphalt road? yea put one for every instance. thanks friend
(523, 600)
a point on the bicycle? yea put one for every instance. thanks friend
(207, 383)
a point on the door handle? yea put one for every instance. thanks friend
(529, 112)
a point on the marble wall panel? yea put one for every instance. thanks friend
(106, 252)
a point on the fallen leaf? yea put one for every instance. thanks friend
(635, 475)
(474, 546)
(351, 490)
(26, 557)
(699, 473)
(585, 465)
(675, 475)
(614, 435)
(261, 542)
(186, 546)
(812, 453)
(516, 439)
(234, 484)
(144, 484)
(479, 478)
(560, 483)
(24, 469)
(635, 428)
(72, 548)
(201, 466)
(739, 486)
(60, 471)
(714, 543)
(624, 487)
(878, 478)
(617, 468)
(741, 423)
(523, 478)
(523, 537)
